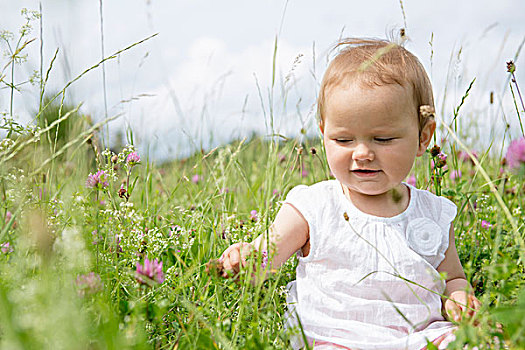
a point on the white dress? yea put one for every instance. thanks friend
(370, 282)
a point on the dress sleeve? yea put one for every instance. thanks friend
(447, 216)
(298, 197)
(301, 198)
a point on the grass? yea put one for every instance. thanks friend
(69, 252)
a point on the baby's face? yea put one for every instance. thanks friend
(371, 136)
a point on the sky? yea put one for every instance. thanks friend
(208, 76)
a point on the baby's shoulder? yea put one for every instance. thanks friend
(434, 206)
(319, 190)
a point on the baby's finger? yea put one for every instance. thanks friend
(476, 304)
(229, 249)
(246, 250)
(234, 258)
(454, 311)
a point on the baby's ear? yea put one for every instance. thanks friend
(425, 136)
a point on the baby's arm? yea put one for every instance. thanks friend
(288, 233)
(460, 299)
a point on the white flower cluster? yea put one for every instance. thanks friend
(6, 144)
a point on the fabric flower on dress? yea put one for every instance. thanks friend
(424, 236)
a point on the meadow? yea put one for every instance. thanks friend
(105, 248)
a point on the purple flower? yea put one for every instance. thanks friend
(5, 248)
(455, 175)
(464, 157)
(175, 229)
(264, 261)
(132, 158)
(150, 271)
(8, 217)
(95, 237)
(304, 173)
(98, 180)
(412, 180)
(196, 178)
(485, 224)
(439, 161)
(253, 215)
(516, 153)
(89, 284)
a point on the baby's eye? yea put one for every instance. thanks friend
(384, 139)
(343, 140)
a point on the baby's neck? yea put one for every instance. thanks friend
(388, 204)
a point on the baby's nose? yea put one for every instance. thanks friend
(362, 152)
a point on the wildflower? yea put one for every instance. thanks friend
(175, 229)
(98, 180)
(511, 67)
(122, 193)
(264, 261)
(516, 153)
(133, 158)
(304, 173)
(150, 271)
(253, 215)
(485, 224)
(8, 216)
(196, 178)
(282, 158)
(426, 111)
(441, 160)
(5, 248)
(276, 193)
(114, 159)
(95, 237)
(464, 157)
(455, 175)
(224, 190)
(89, 284)
(117, 249)
(412, 180)
(434, 151)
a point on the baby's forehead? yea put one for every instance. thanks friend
(362, 87)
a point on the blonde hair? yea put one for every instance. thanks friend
(374, 62)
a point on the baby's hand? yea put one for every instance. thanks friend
(234, 257)
(461, 304)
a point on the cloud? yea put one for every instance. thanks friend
(217, 93)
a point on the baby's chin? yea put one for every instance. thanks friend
(373, 191)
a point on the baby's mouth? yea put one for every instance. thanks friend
(365, 171)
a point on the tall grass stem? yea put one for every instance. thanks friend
(101, 11)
